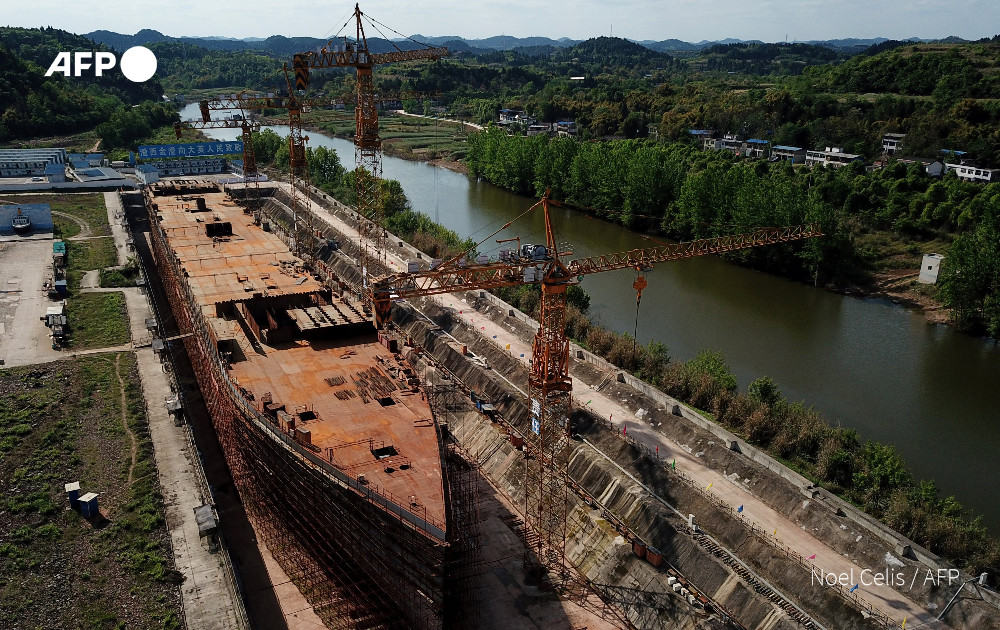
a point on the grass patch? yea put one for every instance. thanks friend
(97, 320)
(89, 207)
(96, 253)
(124, 276)
(56, 570)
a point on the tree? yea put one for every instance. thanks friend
(764, 390)
(712, 364)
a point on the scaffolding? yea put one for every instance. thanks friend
(361, 557)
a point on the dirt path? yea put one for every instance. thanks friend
(131, 436)
(84, 226)
(97, 143)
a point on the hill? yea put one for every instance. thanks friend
(767, 59)
(32, 104)
(945, 71)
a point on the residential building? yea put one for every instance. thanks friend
(933, 168)
(831, 156)
(929, 268)
(892, 143)
(755, 148)
(566, 127)
(540, 128)
(514, 116)
(729, 142)
(29, 162)
(972, 173)
(795, 155)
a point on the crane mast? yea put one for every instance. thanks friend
(549, 382)
(367, 143)
(247, 127)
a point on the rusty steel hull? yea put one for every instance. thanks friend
(361, 558)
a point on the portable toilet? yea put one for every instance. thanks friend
(88, 505)
(73, 494)
(59, 253)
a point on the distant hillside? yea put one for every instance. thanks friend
(767, 58)
(944, 71)
(275, 45)
(40, 47)
(612, 51)
(32, 104)
(279, 45)
(498, 42)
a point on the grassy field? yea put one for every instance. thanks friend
(62, 422)
(403, 136)
(125, 276)
(97, 320)
(82, 256)
(89, 207)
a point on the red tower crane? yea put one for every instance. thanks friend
(549, 383)
(367, 143)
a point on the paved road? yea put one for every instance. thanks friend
(24, 338)
(883, 598)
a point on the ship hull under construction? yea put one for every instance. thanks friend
(363, 557)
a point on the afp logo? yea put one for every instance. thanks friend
(138, 63)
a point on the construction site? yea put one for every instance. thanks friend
(415, 453)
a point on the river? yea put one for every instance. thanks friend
(863, 363)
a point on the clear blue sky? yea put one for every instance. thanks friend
(689, 20)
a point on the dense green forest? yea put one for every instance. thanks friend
(32, 104)
(941, 95)
(684, 193)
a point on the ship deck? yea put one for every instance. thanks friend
(309, 359)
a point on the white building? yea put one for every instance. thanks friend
(831, 156)
(929, 268)
(892, 143)
(970, 173)
(795, 155)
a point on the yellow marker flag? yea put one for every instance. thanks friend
(904, 623)
(775, 532)
(508, 346)
(709, 487)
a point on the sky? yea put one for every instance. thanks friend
(688, 20)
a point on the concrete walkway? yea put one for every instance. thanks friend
(115, 214)
(206, 595)
(882, 598)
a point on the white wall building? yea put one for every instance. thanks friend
(970, 173)
(892, 143)
(831, 156)
(929, 268)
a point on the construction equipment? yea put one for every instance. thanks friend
(549, 382)
(367, 144)
(248, 127)
(251, 101)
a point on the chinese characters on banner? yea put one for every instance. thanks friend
(192, 149)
